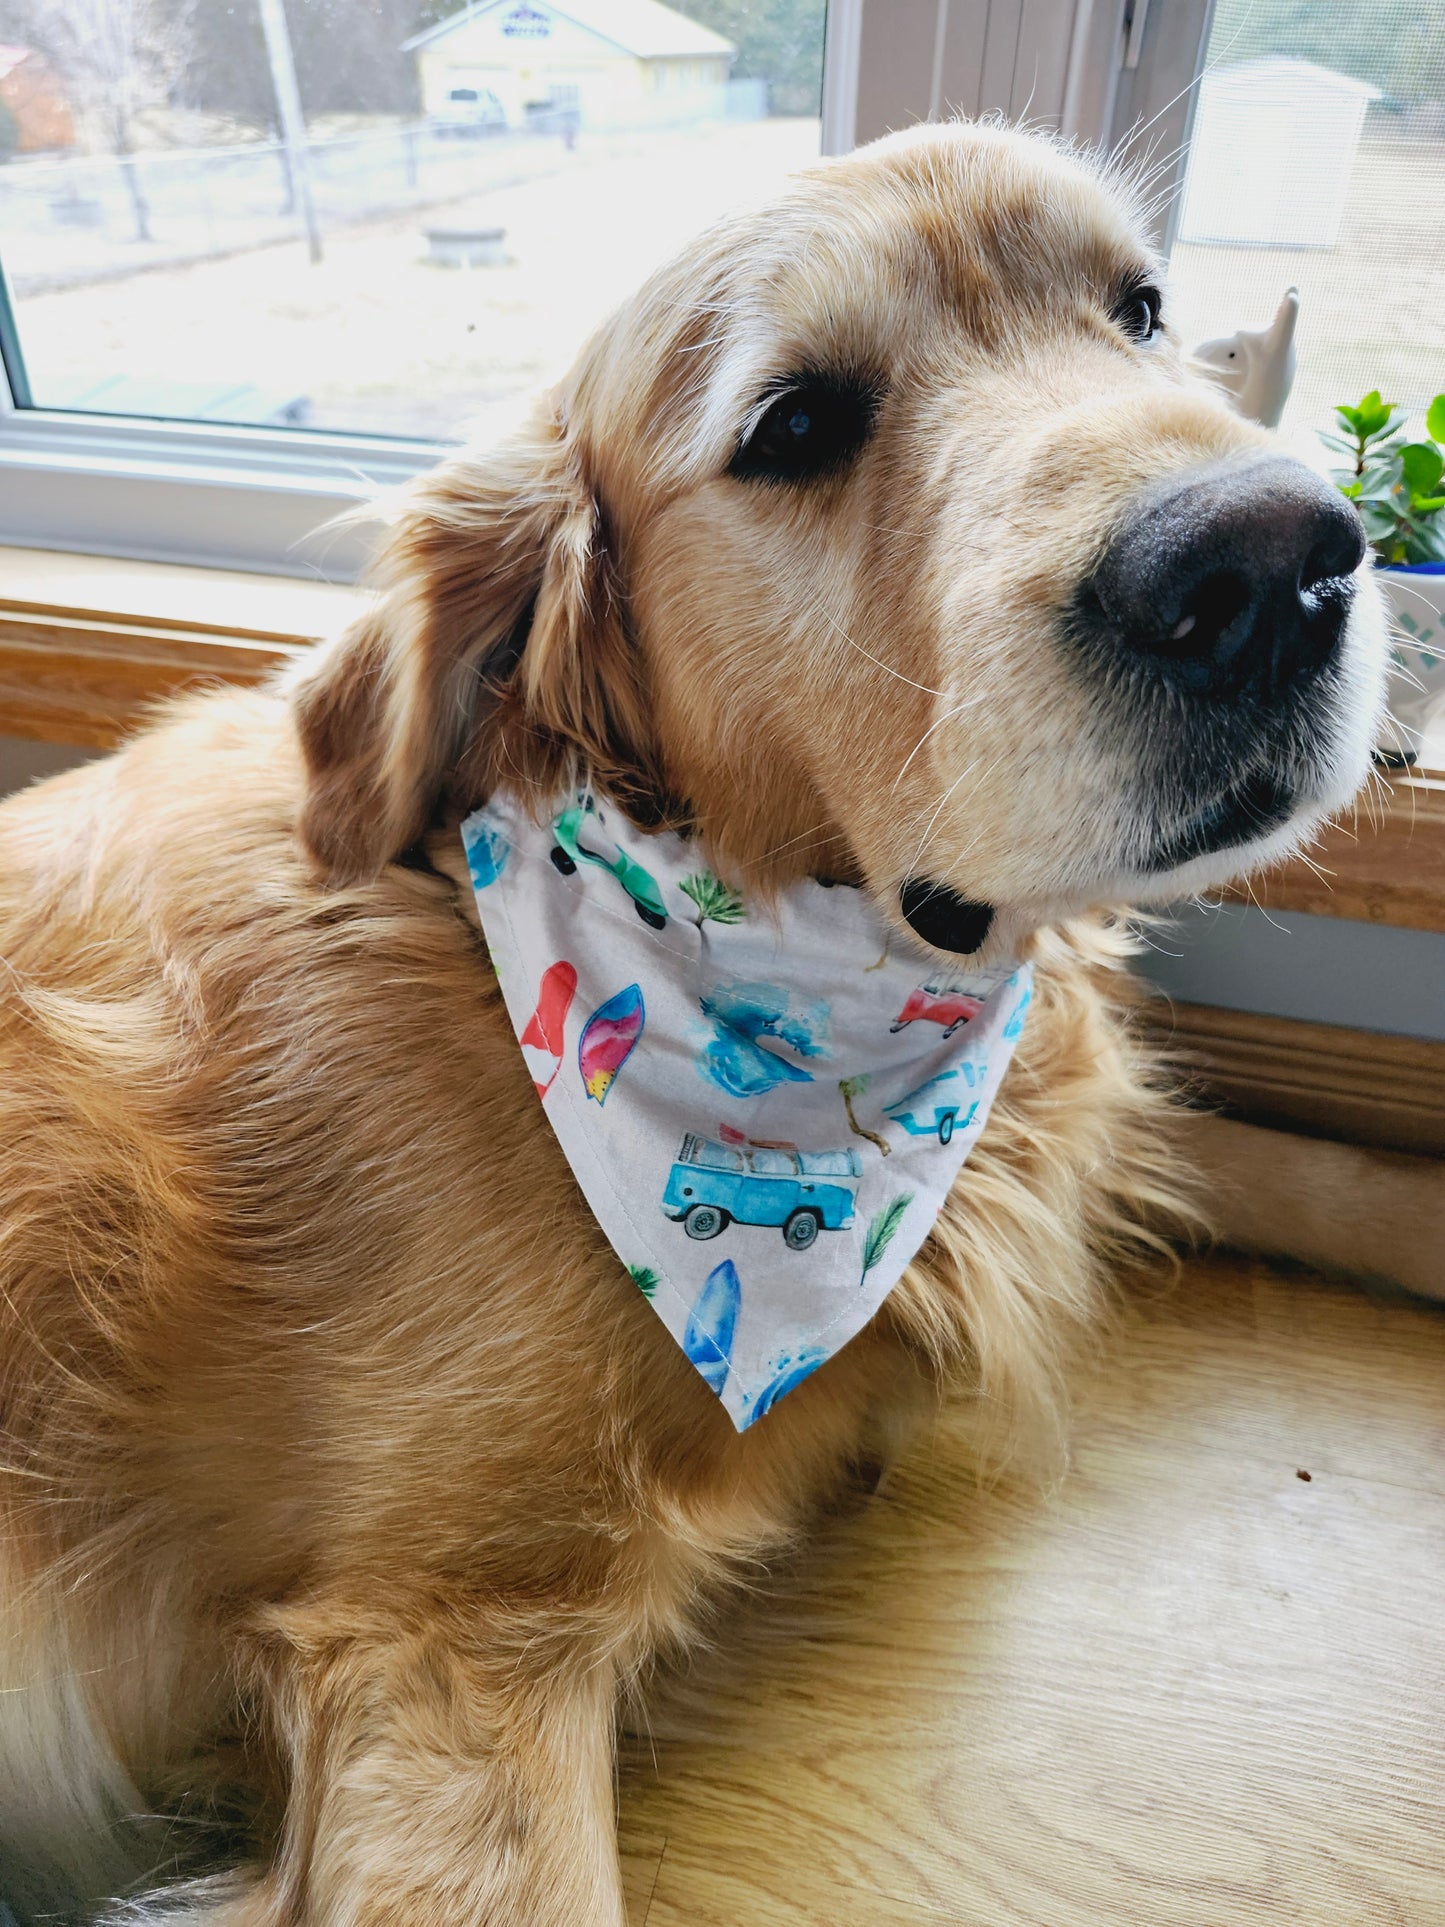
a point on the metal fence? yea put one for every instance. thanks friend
(63, 221)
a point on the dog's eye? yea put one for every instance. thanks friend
(811, 427)
(1137, 311)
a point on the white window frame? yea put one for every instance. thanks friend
(268, 500)
(222, 497)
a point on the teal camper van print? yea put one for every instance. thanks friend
(934, 1107)
(801, 1193)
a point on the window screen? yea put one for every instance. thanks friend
(1318, 161)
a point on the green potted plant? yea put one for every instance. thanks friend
(1398, 484)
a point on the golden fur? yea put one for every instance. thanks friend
(348, 1480)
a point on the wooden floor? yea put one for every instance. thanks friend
(1189, 1688)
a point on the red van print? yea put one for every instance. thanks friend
(937, 1004)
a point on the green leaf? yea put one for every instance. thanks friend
(1381, 464)
(881, 1228)
(1435, 418)
(1422, 465)
(1426, 504)
(645, 1279)
(716, 902)
(1352, 489)
(1374, 414)
(1349, 417)
(1376, 508)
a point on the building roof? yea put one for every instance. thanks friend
(643, 28)
(1281, 70)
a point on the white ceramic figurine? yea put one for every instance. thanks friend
(1256, 370)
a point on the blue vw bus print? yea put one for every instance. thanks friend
(801, 1192)
(934, 1107)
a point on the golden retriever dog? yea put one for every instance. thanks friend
(883, 536)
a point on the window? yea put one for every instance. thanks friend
(266, 257)
(249, 272)
(1318, 162)
(173, 281)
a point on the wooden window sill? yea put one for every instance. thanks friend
(88, 643)
(1321, 1080)
(1386, 865)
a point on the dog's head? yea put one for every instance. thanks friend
(883, 535)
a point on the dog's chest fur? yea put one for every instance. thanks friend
(357, 1317)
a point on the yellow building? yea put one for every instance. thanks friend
(618, 63)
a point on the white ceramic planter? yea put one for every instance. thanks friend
(1417, 683)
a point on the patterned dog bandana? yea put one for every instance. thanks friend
(765, 1106)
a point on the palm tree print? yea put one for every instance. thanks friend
(716, 902)
(852, 1087)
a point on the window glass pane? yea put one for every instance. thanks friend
(486, 182)
(1318, 161)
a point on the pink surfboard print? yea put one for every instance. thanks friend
(542, 1039)
(607, 1040)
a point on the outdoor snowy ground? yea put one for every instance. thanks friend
(376, 339)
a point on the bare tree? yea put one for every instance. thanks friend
(348, 57)
(117, 57)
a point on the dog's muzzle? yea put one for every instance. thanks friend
(1217, 619)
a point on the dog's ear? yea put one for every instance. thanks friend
(499, 617)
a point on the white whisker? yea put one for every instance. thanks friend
(886, 667)
(938, 810)
(937, 723)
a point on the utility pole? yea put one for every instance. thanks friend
(293, 124)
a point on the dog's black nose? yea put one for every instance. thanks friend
(1234, 579)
